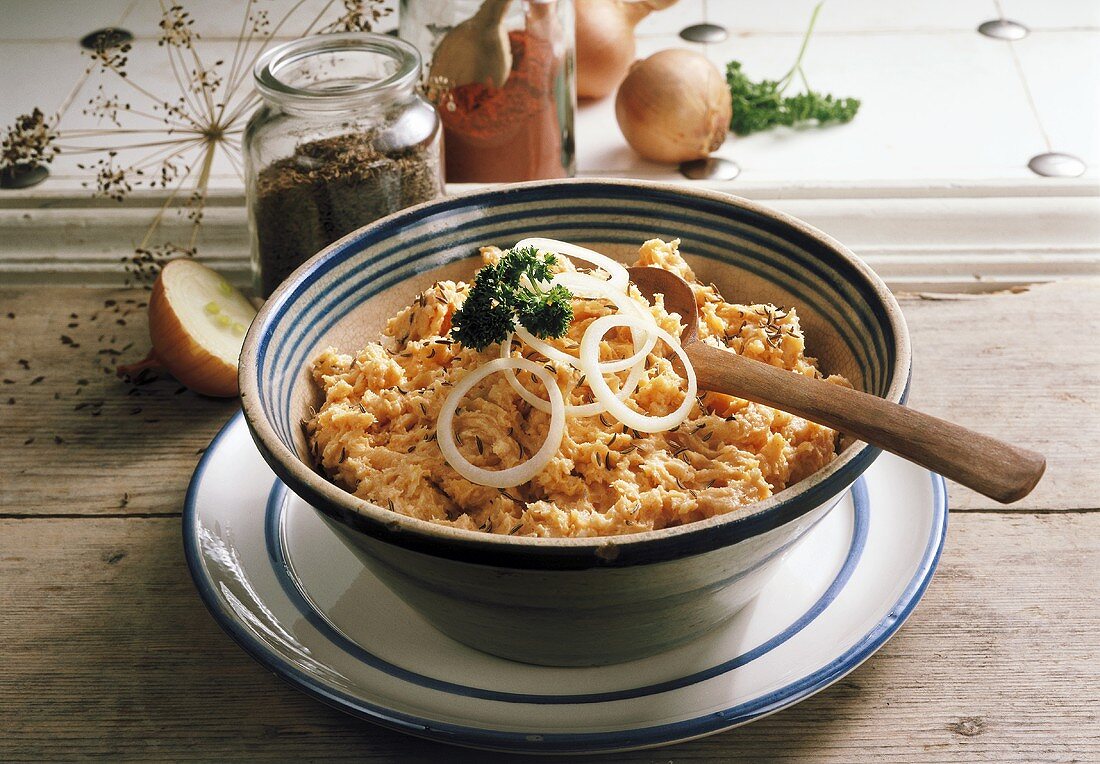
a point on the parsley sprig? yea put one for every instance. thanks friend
(761, 105)
(514, 289)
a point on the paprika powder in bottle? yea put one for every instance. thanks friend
(523, 129)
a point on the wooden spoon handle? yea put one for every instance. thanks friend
(991, 467)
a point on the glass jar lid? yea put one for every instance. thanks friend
(337, 72)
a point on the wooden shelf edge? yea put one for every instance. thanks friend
(949, 237)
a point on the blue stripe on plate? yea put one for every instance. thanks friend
(559, 742)
(284, 572)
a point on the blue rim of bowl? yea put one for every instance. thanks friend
(601, 742)
(558, 554)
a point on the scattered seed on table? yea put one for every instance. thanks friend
(37, 380)
(57, 439)
(11, 315)
(11, 401)
(24, 363)
(28, 441)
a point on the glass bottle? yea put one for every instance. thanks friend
(342, 138)
(521, 129)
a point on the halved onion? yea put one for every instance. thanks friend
(616, 270)
(590, 360)
(521, 473)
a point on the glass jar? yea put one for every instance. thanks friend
(342, 138)
(518, 129)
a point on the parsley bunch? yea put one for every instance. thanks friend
(761, 105)
(515, 289)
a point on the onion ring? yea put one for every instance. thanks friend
(616, 270)
(589, 359)
(595, 287)
(595, 408)
(521, 473)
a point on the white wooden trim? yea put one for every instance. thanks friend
(937, 237)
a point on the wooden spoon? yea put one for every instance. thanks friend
(991, 467)
(475, 51)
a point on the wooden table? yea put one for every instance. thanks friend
(106, 649)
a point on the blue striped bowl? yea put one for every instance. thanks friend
(570, 601)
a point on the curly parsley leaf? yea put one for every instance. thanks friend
(761, 105)
(548, 315)
(513, 289)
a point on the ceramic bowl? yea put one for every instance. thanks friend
(570, 602)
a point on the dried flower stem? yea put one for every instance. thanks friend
(205, 118)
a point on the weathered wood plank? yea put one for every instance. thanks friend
(80, 440)
(106, 650)
(1018, 366)
(1022, 367)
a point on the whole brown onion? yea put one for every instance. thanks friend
(674, 106)
(605, 41)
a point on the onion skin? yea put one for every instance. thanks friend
(186, 360)
(605, 42)
(674, 107)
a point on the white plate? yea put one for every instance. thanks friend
(286, 588)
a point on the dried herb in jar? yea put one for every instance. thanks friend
(327, 189)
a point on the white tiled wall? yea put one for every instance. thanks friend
(940, 101)
(1065, 88)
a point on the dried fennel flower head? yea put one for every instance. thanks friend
(28, 143)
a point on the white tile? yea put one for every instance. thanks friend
(946, 106)
(792, 16)
(42, 74)
(1063, 69)
(1044, 14)
(221, 19)
(672, 19)
(57, 19)
(36, 75)
(934, 107)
